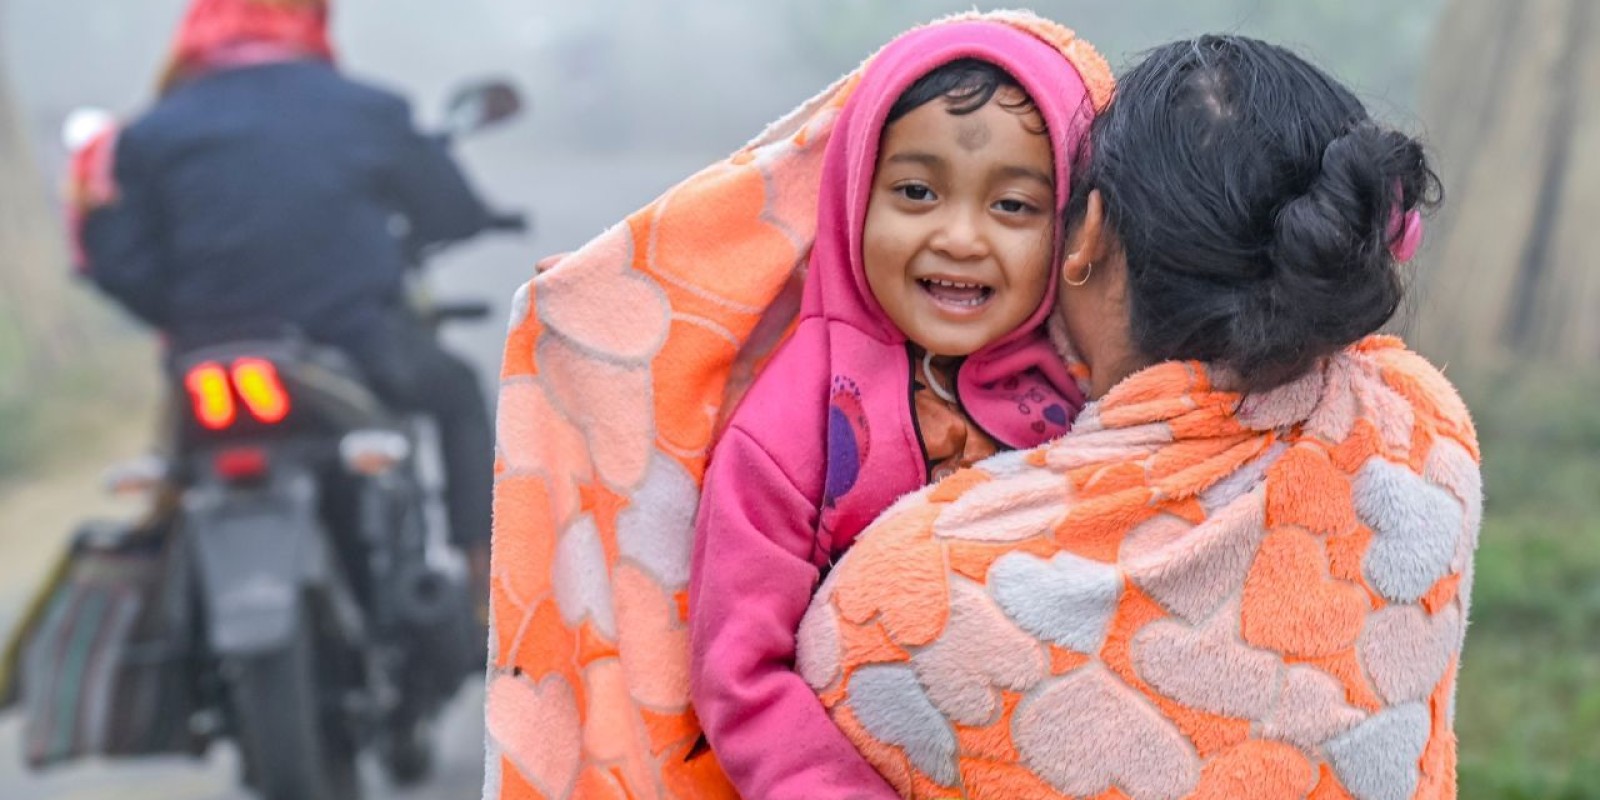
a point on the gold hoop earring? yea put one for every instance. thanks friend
(1087, 273)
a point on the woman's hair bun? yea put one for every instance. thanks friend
(1254, 199)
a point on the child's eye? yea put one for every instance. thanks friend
(915, 192)
(1012, 206)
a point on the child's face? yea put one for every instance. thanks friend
(960, 225)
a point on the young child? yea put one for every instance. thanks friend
(920, 349)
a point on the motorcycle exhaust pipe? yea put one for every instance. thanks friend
(428, 597)
(435, 609)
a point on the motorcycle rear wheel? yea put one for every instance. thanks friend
(293, 739)
(407, 752)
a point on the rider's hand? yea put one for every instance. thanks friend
(548, 262)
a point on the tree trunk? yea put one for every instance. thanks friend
(1512, 96)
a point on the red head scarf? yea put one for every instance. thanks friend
(216, 34)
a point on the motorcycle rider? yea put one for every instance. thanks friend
(263, 190)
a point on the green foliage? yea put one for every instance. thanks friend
(1529, 699)
(64, 408)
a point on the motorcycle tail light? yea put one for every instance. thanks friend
(241, 463)
(210, 396)
(260, 388)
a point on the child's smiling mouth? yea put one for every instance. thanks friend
(962, 297)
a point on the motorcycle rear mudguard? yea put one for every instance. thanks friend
(259, 554)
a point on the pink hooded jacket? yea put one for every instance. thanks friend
(827, 439)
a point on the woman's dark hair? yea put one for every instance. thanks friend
(1252, 196)
(967, 84)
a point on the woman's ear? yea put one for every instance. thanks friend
(1087, 242)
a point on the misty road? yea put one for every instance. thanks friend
(571, 198)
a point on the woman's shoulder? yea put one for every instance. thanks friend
(1426, 390)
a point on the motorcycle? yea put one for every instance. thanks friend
(323, 612)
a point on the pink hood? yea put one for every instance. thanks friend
(1016, 389)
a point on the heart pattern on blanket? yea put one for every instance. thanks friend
(614, 732)
(908, 571)
(1257, 770)
(1388, 411)
(1417, 525)
(1088, 732)
(579, 578)
(537, 727)
(1283, 407)
(1306, 489)
(652, 642)
(817, 645)
(1195, 574)
(1107, 446)
(979, 653)
(620, 434)
(678, 242)
(1336, 414)
(795, 163)
(656, 530)
(533, 436)
(1378, 759)
(1208, 668)
(892, 705)
(1406, 651)
(1068, 600)
(1451, 466)
(579, 303)
(1311, 709)
(1293, 606)
(1006, 512)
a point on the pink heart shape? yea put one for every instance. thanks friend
(1284, 406)
(605, 309)
(537, 727)
(1311, 709)
(1107, 446)
(1385, 408)
(1192, 574)
(1208, 668)
(1087, 732)
(614, 733)
(1450, 465)
(1007, 510)
(817, 648)
(534, 437)
(609, 403)
(652, 642)
(980, 653)
(1406, 651)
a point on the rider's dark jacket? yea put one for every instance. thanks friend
(273, 194)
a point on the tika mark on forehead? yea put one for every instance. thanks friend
(973, 135)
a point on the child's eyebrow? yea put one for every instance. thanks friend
(925, 159)
(1007, 172)
(1025, 173)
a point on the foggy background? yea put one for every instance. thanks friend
(628, 96)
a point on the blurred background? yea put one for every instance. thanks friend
(628, 96)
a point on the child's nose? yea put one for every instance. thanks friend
(960, 236)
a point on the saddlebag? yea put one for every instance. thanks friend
(106, 666)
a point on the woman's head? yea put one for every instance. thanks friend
(212, 30)
(1238, 209)
(959, 236)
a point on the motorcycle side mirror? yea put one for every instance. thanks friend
(481, 105)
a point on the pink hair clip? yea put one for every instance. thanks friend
(1404, 231)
